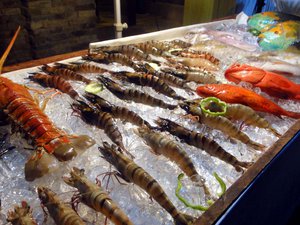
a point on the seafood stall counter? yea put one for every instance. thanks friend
(159, 128)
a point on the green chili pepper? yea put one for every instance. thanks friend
(213, 106)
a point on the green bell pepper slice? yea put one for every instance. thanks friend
(213, 106)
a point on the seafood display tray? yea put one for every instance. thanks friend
(60, 111)
(240, 202)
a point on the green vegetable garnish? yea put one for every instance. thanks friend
(198, 207)
(221, 182)
(154, 66)
(94, 88)
(183, 200)
(213, 106)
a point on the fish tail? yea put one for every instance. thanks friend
(294, 115)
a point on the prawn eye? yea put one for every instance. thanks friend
(42, 195)
(185, 107)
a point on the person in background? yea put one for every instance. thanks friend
(250, 7)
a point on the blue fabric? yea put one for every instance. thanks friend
(269, 6)
(249, 7)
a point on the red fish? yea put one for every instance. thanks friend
(269, 82)
(234, 94)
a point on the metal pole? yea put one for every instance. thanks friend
(118, 24)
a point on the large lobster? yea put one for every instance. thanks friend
(17, 104)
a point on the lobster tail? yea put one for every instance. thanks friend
(65, 152)
(68, 150)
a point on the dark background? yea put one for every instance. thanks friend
(51, 27)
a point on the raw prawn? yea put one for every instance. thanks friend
(56, 82)
(169, 78)
(161, 145)
(219, 123)
(81, 67)
(242, 113)
(200, 76)
(147, 47)
(234, 94)
(196, 54)
(272, 83)
(133, 173)
(21, 215)
(168, 45)
(61, 213)
(65, 73)
(200, 141)
(96, 197)
(133, 95)
(180, 43)
(196, 62)
(151, 81)
(100, 119)
(129, 50)
(117, 111)
(114, 57)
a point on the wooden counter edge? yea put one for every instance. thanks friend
(38, 62)
(219, 207)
